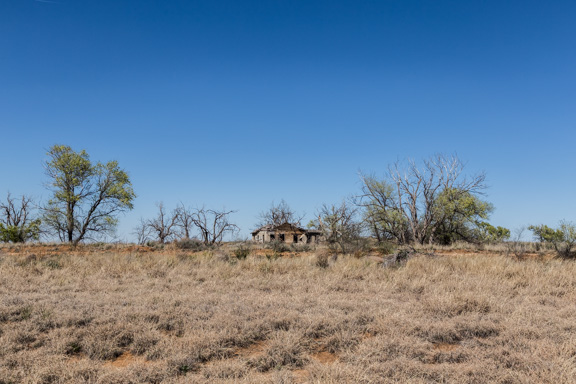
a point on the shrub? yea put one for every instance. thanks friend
(223, 256)
(190, 245)
(302, 247)
(322, 260)
(242, 251)
(285, 350)
(401, 257)
(20, 234)
(154, 245)
(53, 264)
(278, 246)
(386, 248)
(73, 348)
(562, 239)
(272, 256)
(517, 248)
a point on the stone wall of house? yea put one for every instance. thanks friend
(288, 237)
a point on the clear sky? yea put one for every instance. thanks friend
(239, 104)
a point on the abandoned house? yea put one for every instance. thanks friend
(286, 233)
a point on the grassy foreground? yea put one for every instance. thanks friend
(124, 315)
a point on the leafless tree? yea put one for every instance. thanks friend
(405, 200)
(17, 223)
(185, 221)
(142, 232)
(340, 225)
(164, 225)
(279, 214)
(13, 215)
(212, 224)
(517, 246)
(382, 214)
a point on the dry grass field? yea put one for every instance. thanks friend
(120, 314)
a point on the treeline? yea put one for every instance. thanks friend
(433, 202)
(210, 224)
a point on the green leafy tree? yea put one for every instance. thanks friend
(544, 233)
(492, 234)
(562, 238)
(87, 198)
(421, 203)
(17, 222)
(460, 215)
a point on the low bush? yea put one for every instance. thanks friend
(322, 260)
(278, 246)
(194, 245)
(563, 239)
(300, 247)
(386, 248)
(242, 252)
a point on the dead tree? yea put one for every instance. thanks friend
(212, 224)
(340, 226)
(164, 225)
(185, 222)
(142, 232)
(279, 214)
(17, 223)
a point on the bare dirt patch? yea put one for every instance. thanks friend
(325, 357)
(126, 359)
(253, 350)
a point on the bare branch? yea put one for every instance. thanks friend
(279, 214)
(17, 223)
(163, 226)
(212, 224)
(184, 222)
(402, 206)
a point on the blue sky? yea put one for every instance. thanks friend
(239, 104)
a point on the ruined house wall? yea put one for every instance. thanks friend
(286, 236)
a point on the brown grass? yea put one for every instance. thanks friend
(118, 314)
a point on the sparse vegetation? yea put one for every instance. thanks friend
(242, 251)
(194, 245)
(301, 247)
(132, 314)
(563, 239)
(278, 246)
